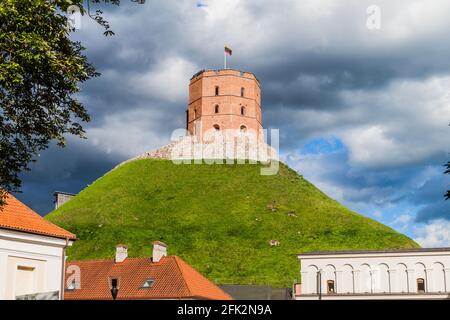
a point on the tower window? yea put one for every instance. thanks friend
(216, 126)
(217, 91)
(216, 109)
(242, 111)
(242, 92)
(330, 286)
(195, 113)
(243, 128)
(420, 285)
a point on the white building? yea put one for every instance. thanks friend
(375, 274)
(32, 254)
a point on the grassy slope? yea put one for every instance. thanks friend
(216, 218)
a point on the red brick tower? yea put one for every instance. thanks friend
(224, 99)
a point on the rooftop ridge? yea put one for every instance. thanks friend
(17, 216)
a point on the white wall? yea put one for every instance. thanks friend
(39, 259)
(377, 273)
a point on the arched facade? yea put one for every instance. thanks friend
(405, 273)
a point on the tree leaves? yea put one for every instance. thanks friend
(40, 73)
(41, 70)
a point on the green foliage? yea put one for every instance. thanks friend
(40, 72)
(219, 218)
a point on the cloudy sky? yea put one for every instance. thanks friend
(363, 112)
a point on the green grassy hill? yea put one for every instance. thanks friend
(219, 218)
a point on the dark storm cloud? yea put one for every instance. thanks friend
(438, 209)
(68, 169)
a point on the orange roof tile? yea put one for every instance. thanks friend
(14, 215)
(173, 279)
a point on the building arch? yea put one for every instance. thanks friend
(419, 275)
(216, 127)
(311, 281)
(346, 283)
(380, 278)
(366, 278)
(328, 276)
(401, 278)
(243, 128)
(438, 277)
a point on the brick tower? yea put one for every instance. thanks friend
(224, 99)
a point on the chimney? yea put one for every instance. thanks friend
(159, 251)
(121, 253)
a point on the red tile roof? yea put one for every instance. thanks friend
(14, 215)
(173, 279)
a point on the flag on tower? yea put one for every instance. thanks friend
(228, 51)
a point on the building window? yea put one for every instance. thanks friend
(242, 111)
(330, 286)
(216, 126)
(216, 109)
(420, 285)
(148, 283)
(195, 113)
(243, 128)
(217, 90)
(242, 92)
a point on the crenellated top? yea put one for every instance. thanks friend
(224, 72)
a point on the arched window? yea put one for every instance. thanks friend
(366, 281)
(216, 109)
(438, 278)
(217, 90)
(243, 128)
(195, 113)
(217, 127)
(242, 111)
(402, 278)
(381, 278)
(242, 92)
(346, 285)
(330, 287)
(420, 285)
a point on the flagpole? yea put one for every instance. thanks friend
(224, 59)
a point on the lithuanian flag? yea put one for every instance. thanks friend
(228, 50)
